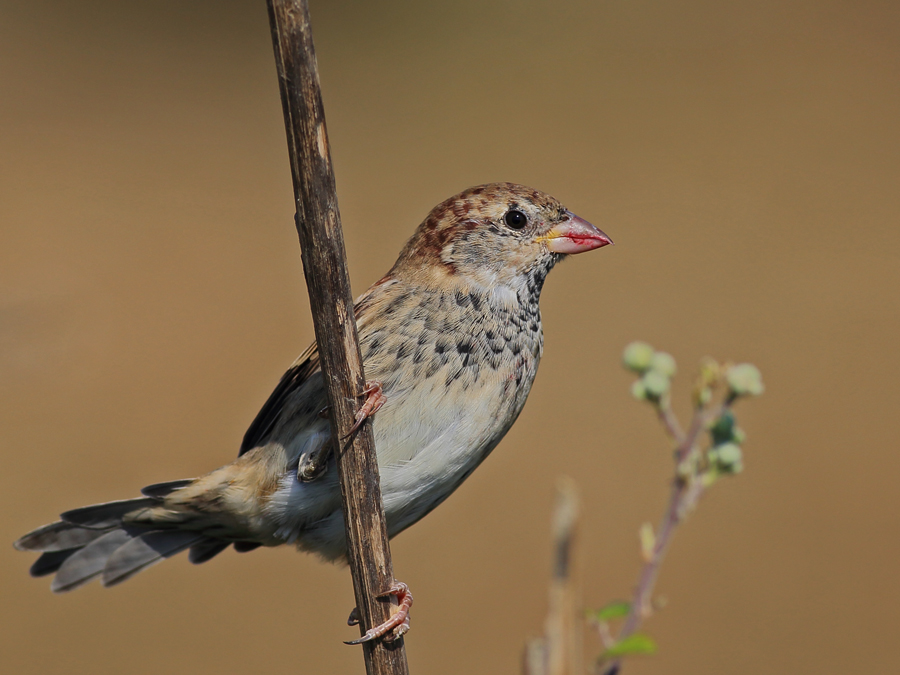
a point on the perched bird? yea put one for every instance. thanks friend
(451, 339)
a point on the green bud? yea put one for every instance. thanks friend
(637, 356)
(663, 363)
(638, 391)
(703, 396)
(708, 478)
(738, 435)
(655, 384)
(744, 379)
(710, 370)
(728, 457)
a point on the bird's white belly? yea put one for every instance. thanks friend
(436, 436)
(429, 437)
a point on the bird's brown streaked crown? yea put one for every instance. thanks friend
(474, 219)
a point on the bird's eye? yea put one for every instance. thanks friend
(515, 219)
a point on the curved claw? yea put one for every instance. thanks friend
(375, 398)
(365, 638)
(398, 623)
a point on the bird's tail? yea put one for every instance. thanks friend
(116, 540)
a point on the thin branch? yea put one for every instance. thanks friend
(686, 492)
(670, 422)
(324, 265)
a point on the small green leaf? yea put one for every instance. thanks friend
(614, 610)
(633, 644)
(722, 431)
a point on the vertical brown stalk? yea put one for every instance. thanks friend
(324, 265)
(558, 652)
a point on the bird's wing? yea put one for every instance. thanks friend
(305, 366)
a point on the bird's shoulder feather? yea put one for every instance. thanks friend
(305, 366)
(299, 372)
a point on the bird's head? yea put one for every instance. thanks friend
(496, 234)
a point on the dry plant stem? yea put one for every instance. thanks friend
(324, 265)
(534, 661)
(686, 491)
(562, 646)
(559, 651)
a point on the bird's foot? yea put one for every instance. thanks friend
(398, 623)
(375, 398)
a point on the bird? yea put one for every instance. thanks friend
(451, 339)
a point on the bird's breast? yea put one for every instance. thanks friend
(456, 373)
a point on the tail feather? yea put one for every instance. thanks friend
(145, 550)
(116, 540)
(88, 562)
(58, 536)
(108, 515)
(160, 490)
(246, 546)
(206, 549)
(51, 561)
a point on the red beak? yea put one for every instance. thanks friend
(575, 235)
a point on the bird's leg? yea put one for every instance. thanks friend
(398, 623)
(375, 398)
(311, 465)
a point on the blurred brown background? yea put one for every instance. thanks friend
(744, 156)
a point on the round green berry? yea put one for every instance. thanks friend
(637, 356)
(663, 363)
(729, 457)
(655, 383)
(744, 379)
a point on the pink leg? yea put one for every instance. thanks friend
(398, 623)
(375, 398)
